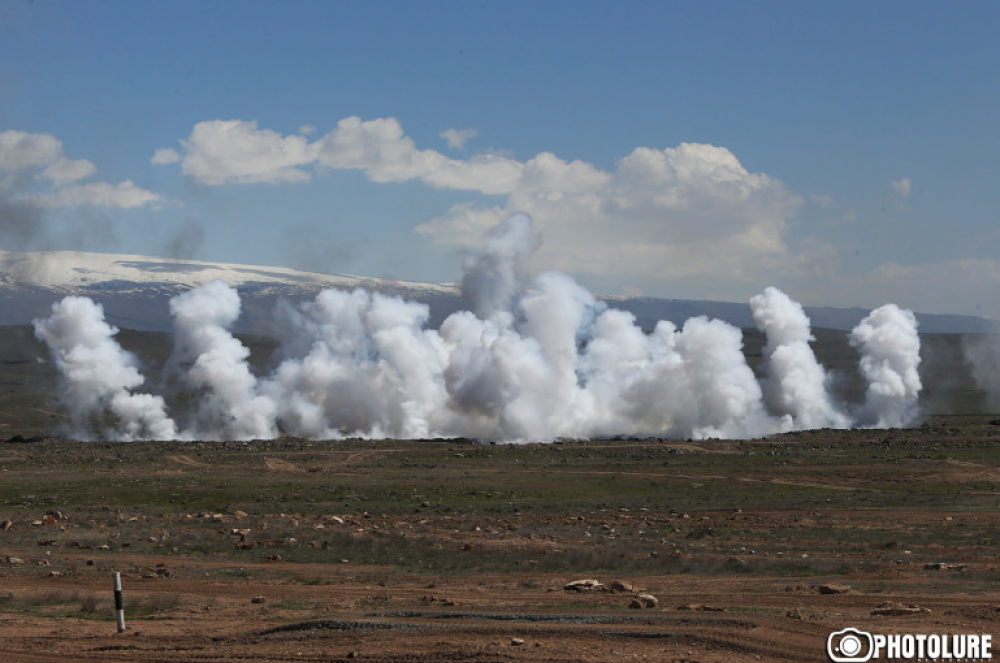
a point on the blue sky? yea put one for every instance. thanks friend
(843, 152)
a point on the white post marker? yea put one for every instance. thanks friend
(119, 610)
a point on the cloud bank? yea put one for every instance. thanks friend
(690, 216)
(687, 212)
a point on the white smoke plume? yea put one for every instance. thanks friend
(493, 276)
(217, 368)
(98, 375)
(890, 356)
(532, 361)
(371, 369)
(797, 385)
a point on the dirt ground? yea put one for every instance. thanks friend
(452, 551)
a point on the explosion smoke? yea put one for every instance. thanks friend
(230, 408)
(98, 374)
(533, 363)
(890, 355)
(796, 384)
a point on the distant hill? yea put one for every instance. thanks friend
(134, 291)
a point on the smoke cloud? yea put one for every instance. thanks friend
(530, 361)
(890, 356)
(797, 385)
(99, 375)
(216, 366)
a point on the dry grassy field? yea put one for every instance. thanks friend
(293, 550)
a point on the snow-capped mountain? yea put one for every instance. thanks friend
(135, 291)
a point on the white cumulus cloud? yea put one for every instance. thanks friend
(687, 212)
(102, 194)
(20, 150)
(236, 151)
(165, 155)
(902, 187)
(39, 174)
(66, 171)
(381, 149)
(457, 138)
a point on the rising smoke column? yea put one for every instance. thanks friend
(637, 381)
(693, 382)
(371, 369)
(539, 361)
(494, 275)
(890, 355)
(796, 384)
(230, 406)
(728, 397)
(98, 375)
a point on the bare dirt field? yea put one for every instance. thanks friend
(450, 550)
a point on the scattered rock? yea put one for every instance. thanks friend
(644, 601)
(588, 585)
(516, 642)
(893, 610)
(619, 587)
(833, 588)
(257, 599)
(15, 560)
(6, 525)
(794, 614)
(648, 600)
(942, 566)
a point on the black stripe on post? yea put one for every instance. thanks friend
(119, 609)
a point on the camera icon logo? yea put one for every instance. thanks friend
(849, 645)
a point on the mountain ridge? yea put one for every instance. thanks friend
(135, 291)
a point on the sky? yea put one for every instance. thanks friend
(843, 152)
